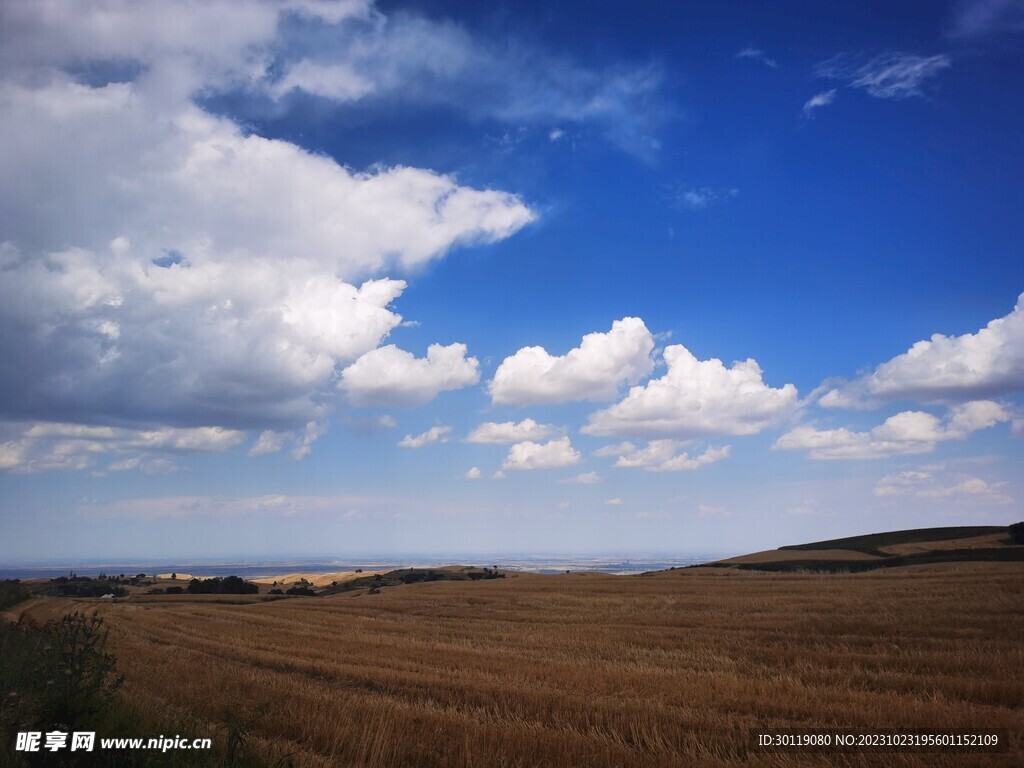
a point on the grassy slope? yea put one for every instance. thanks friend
(873, 542)
(876, 550)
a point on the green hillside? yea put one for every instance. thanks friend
(934, 546)
(988, 555)
(871, 543)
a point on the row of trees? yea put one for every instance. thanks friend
(229, 585)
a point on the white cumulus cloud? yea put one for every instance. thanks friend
(663, 456)
(166, 265)
(908, 432)
(946, 368)
(549, 455)
(592, 371)
(432, 435)
(391, 376)
(697, 398)
(495, 433)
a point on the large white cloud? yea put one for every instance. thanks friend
(592, 371)
(392, 376)
(550, 455)
(946, 368)
(164, 266)
(495, 433)
(908, 432)
(697, 398)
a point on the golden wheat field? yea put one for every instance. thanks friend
(671, 669)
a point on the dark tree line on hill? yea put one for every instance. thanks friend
(83, 586)
(229, 585)
(1017, 533)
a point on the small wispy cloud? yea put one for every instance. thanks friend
(978, 18)
(367, 426)
(304, 442)
(699, 198)
(710, 510)
(924, 484)
(802, 509)
(758, 55)
(149, 466)
(817, 101)
(270, 441)
(209, 507)
(887, 76)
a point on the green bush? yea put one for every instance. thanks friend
(60, 677)
(12, 592)
(83, 675)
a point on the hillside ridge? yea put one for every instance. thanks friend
(890, 549)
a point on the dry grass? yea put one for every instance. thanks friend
(973, 542)
(316, 579)
(674, 669)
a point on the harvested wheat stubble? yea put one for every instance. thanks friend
(672, 669)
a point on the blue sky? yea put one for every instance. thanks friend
(313, 278)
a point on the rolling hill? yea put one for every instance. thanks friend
(890, 549)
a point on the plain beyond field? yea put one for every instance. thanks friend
(621, 564)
